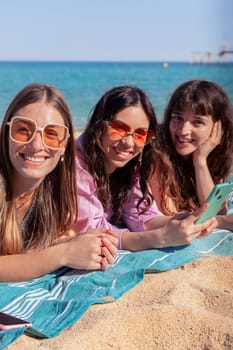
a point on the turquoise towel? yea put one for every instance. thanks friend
(57, 300)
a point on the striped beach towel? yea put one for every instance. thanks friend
(57, 300)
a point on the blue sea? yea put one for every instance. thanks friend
(83, 83)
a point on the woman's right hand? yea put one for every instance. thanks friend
(181, 228)
(169, 231)
(93, 250)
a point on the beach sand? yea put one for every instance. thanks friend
(190, 308)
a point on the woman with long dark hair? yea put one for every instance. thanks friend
(196, 138)
(115, 157)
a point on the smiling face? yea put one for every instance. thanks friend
(188, 131)
(33, 161)
(119, 152)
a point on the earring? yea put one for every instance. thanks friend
(62, 158)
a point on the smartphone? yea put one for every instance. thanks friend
(8, 322)
(215, 200)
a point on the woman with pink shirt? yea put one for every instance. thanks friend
(115, 158)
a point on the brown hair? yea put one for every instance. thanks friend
(176, 174)
(57, 190)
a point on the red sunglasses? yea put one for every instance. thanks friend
(119, 130)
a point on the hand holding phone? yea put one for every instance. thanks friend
(9, 322)
(215, 200)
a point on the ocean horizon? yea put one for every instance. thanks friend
(84, 82)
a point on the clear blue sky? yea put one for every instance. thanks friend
(125, 30)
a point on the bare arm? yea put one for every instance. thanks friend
(93, 250)
(225, 222)
(22, 267)
(164, 231)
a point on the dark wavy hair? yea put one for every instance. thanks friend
(177, 173)
(58, 189)
(113, 190)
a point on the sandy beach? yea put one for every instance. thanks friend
(190, 308)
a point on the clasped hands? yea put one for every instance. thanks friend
(92, 250)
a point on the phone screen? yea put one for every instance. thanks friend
(8, 322)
